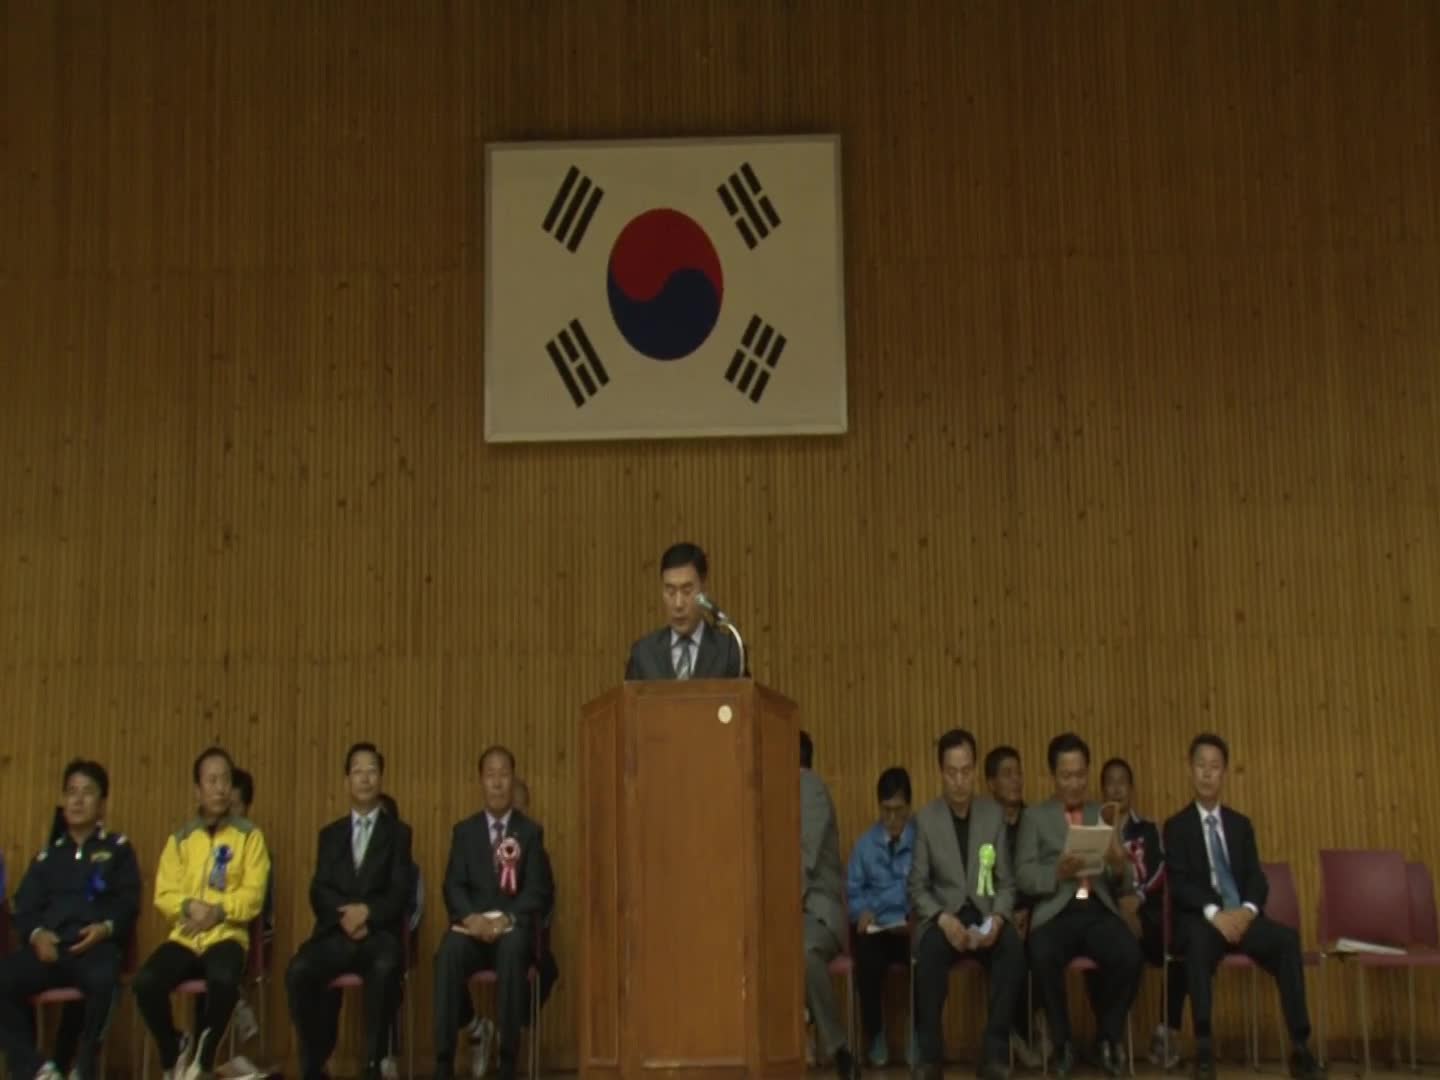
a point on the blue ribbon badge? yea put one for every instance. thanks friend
(223, 855)
(95, 886)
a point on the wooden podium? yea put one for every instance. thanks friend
(691, 948)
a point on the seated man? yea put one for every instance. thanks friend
(962, 894)
(496, 889)
(244, 1020)
(875, 891)
(360, 895)
(1144, 909)
(1217, 893)
(1076, 914)
(822, 878)
(210, 886)
(481, 1029)
(74, 910)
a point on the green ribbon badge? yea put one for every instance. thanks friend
(987, 869)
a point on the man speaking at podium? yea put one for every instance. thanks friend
(687, 647)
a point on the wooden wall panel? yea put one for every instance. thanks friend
(1145, 372)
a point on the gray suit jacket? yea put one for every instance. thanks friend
(1041, 840)
(940, 881)
(822, 874)
(717, 658)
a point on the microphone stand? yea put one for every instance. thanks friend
(726, 624)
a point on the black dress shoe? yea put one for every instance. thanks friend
(1303, 1065)
(846, 1067)
(1204, 1067)
(1064, 1062)
(1112, 1059)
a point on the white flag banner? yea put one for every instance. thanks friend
(664, 289)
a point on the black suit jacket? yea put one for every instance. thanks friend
(717, 658)
(1187, 862)
(472, 880)
(383, 881)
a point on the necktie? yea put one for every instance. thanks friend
(682, 666)
(498, 831)
(1224, 877)
(360, 840)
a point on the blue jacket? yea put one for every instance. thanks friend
(877, 875)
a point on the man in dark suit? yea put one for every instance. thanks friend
(687, 647)
(1218, 892)
(360, 894)
(962, 894)
(497, 888)
(1077, 912)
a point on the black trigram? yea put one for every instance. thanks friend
(577, 362)
(755, 360)
(572, 208)
(748, 206)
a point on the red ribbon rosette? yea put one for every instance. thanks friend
(507, 858)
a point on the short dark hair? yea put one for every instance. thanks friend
(893, 781)
(685, 554)
(206, 755)
(1118, 763)
(1206, 738)
(363, 748)
(391, 806)
(244, 783)
(91, 770)
(491, 751)
(807, 751)
(997, 757)
(950, 740)
(1068, 743)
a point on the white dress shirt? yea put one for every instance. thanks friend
(695, 636)
(1211, 910)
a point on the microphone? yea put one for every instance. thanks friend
(708, 605)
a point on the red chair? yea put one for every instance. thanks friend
(1365, 896)
(257, 971)
(1424, 951)
(490, 977)
(355, 982)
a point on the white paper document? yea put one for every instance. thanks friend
(884, 928)
(1352, 945)
(1090, 842)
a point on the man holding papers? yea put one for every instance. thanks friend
(1218, 892)
(879, 869)
(962, 893)
(1074, 872)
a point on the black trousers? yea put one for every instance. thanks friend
(1152, 947)
(96, 973)
(934, 957)
(222, 967)
(457, 959)
(1087, 928)
(1274, 947)
(315, 1008)
(874, 956)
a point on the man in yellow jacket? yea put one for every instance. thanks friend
(210, 887)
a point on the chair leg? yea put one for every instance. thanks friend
(409, 1030)
(1414, 1060)
(1364, 1024)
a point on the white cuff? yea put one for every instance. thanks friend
(1211, 910)
(1253, 909)
(37, 930)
